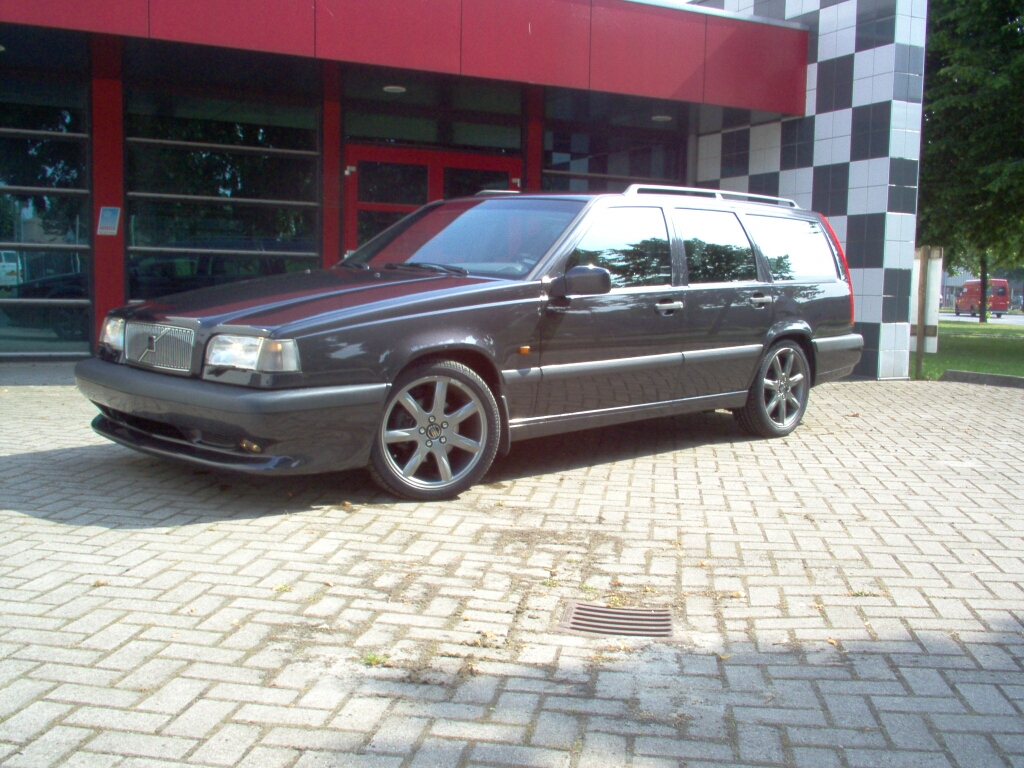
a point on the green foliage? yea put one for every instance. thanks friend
(972, 154)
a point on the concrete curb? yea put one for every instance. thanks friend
(989, 379)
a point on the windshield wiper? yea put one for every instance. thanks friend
(427, 265)
(352, 265)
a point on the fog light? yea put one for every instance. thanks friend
(251, 447)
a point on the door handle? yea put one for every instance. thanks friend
(668, 307)
(760, 301)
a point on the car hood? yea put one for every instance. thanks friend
(273, 302)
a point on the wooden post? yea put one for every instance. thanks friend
(922, 295)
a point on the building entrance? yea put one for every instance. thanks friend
(383, 184)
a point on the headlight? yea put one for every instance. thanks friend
(253, 353)
(113, 333)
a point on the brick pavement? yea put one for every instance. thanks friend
(848, 596)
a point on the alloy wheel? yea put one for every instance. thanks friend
(785, 387)
(434, 433)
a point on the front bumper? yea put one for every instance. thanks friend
(292, 431)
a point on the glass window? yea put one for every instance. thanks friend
(184, 224)
(796, 249)
(595, 162)
(631, 243)
(42, 162)
(466, 182)
(45, 208)
(207, 172)
(420, 130)
(151, 275)
(57, 219)
(197, 168)
(717, 248)
(397, 183)
(499, 237)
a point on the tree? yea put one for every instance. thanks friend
(972, 154)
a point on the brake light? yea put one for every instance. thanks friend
(842, 258)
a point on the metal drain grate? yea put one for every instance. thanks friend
(600, 619)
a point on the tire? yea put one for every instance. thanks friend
(974, 311)
(438, 434)
(957, 311)
(999, 315)
(778, 396)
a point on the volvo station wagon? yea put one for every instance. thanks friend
(477, 322)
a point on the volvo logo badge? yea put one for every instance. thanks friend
(151, 343)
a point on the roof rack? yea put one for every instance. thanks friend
(655, 189)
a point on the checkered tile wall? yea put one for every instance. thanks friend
(853, 157)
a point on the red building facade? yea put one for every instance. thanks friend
(151, 146)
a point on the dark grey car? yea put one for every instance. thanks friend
(473, 323)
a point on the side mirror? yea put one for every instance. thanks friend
(584, 280)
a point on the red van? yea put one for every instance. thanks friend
(969, 298)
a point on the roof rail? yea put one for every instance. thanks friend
(719, 194)
(496, 192)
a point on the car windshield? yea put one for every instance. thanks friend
(492, 237)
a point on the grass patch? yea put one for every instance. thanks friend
(976, 347)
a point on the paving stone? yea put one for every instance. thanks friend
(846, 596)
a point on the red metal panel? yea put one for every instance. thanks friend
(330, 172)
(108, 174)
(278, 26)
(756, 66)
(647, 51)
(116, 17)
(411, 34)
(528, 41)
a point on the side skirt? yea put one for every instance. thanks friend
(523, 429)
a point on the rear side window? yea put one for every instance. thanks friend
(796, 249)
(1001, 290)
(717, 248)
(631, 243)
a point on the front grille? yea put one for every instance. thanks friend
(159, 346)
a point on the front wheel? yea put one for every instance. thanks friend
(778, 397)
(999, 315)
(438, 435)
(957, 310)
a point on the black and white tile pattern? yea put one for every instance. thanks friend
(853, 156)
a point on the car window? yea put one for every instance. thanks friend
(796, 249)
(631, 243)
(1001, 290)
(494, 237)
(717, 248)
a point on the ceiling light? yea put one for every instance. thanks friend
(662, 118)
(2, 49)
(394, 89)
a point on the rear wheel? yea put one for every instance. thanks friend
(957, 310)
(778, 397)
(439, 432)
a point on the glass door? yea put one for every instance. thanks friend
(383, 184)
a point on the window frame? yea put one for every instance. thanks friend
(840, 275)
(592, 215)
(760, 266)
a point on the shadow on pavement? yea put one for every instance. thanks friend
(112, 487)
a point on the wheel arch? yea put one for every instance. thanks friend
(800, 333)
(483, 365)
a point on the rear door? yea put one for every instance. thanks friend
(728, 303)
